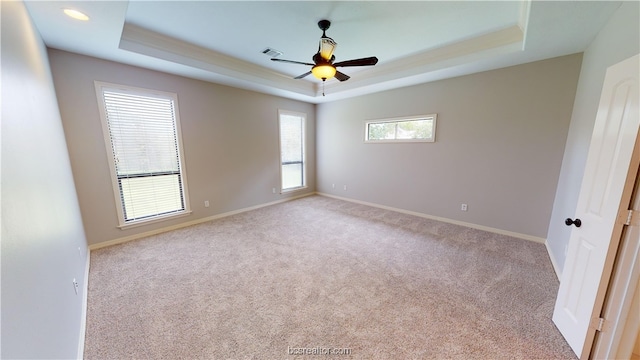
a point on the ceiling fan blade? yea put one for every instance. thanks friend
(358, 62)
(292, 62)
(341, 76)
(303, 75)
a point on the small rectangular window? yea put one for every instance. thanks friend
(292, 154)
(142, 136)
(407, 129)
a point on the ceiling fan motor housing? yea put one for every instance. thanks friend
(324, 24)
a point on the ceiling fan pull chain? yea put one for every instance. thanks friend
(323, 80)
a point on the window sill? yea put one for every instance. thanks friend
(290, 190)
(137, 223)
(398, 141)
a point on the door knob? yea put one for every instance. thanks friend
(576, 222)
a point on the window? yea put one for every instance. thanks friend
(142, 136)
(410, 129)
(292, 154)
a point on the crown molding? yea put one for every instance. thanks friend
(506, 40)
(146, 42)
(239, 73)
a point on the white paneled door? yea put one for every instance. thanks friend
(604, 196)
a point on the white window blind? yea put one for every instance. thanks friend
(142, 133)
(292, 155)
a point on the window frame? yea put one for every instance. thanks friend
(100, 86)
(397, 120)
(304, 150)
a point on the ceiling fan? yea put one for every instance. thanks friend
(323, 67)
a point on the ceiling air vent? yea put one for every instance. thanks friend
(271, 52)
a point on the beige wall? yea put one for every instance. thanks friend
(618, 40)
(43, 242)
(499, 144)
(230, 139)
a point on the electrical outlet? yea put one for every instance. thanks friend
(333, 186)
(206, 203)
(273, 190)
(463, 207)
(75, 286)
(345, 188)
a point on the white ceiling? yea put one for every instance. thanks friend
(415, 41)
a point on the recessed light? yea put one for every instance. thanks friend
(78, 15)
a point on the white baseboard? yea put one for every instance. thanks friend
(189, 223)
(556, 268)
(83, 319)
(219, 216)
(450, 221)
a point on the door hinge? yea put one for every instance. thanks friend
(629, 217)
(600, 324)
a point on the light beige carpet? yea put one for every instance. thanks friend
(322, 274)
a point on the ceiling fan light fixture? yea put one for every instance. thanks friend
(323, 71)
(327, 47)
